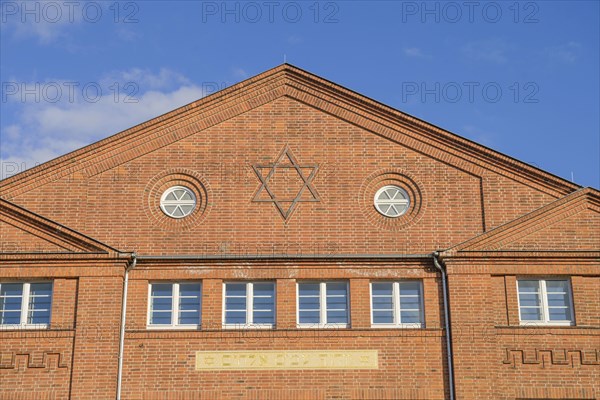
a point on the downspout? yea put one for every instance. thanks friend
(437, 265)
(123, 319)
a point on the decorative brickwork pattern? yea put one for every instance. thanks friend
(544, 357)
(46, 359)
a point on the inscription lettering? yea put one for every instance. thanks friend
(274, 359)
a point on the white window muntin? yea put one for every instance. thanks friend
(391, 201)
(30, 303)
(178, 202)
(249, 309)
(177, 302)
(322, 296)
(397, 309)
(541, 301)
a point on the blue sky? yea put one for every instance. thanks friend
(519, 77)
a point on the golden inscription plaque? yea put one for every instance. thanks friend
(284, 359)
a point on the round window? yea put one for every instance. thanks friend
(391, 201)
(178, 202)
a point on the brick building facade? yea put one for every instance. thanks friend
(287, 238)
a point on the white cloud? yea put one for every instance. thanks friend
(45, 20)
(491, 50)
(147, 80)
(414, 52)
(295, 39)
(567, 53)
(239, 73)
(44, 130)
(128, 35)
(478, 135)
(54, 22)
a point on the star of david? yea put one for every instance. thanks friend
(306, 173)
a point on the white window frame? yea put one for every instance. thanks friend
(377, 202)
(323, 324)
(25, 306)
(164, 203)
(544, 303)
(250, 306)
(174, 308)
(396, 306)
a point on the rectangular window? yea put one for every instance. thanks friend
(175, 305)
(25, 304)
(545, 301)
(397, 304)
(323, 304)
(249, 305)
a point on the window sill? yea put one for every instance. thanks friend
(174, 327)
(540, 324)
(323, 326)
(400, 326)
(23, 327)
(249, 326)
(544, 328)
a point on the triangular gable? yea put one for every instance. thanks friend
(22, 231)
(290, 81)
(571, 223)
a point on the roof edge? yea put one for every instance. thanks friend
(588, 194)
(433, 132)
(63, 233)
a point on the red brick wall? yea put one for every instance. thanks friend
(578, 231)
(496, 358)
(13, 239)
(64, 303)
(349, 158)
(506, 199)
(97, 337)
(586, 297)
(36, 364)
(411, 361)
(77, 355)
